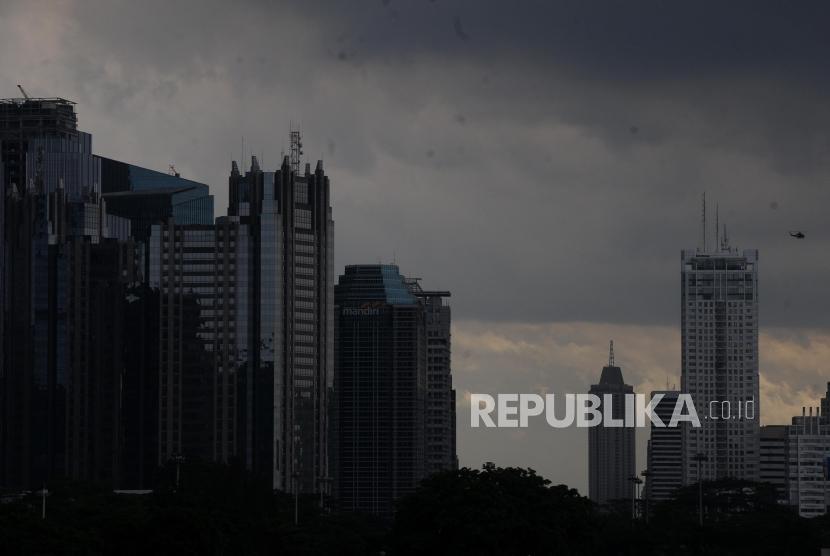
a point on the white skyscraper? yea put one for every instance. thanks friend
(719, 320)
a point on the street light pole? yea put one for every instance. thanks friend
(700, 458)
(178, 458)
(296, 477)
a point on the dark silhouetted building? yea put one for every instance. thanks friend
(665, 451)
(284, 354)
(394, 402)
(611, 458)
(73, 403)
(774, 461)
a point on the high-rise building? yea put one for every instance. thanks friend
(149, 197)
(285, 260)
(72, 403)
(665, 452)
(440, 454)
(59, 243)
(138, 329)
(183, 266)
(773, 466)
(611, 457)
(719, 336)
(809, 463)
(394, 402)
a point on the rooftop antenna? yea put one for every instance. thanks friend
(611, 355)
(718, 244)
(296, 150)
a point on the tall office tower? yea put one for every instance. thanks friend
(194, 269)
(26, 384)
(611, 458)
(286, 366)
(391, 336)
(665, 452)
(54, 220)
(69, 271)
(719, 336)
(440, 452)
(182, 268)
(809, 454)
(140, 387)
(774, 459)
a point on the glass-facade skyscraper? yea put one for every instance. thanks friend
(286, 363)
(67, 264)
(71, 400)
(138, 329)
(394, 403)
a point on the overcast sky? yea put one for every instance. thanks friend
(544, 161)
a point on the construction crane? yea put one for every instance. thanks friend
(22, 90)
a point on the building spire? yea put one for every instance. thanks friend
(611, 355)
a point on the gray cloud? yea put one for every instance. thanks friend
(542, 160)
(547, 167)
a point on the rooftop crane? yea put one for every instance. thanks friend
(22, 90)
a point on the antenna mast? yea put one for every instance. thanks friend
(611, 355)
(296, 150)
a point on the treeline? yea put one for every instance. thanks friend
(493, 511)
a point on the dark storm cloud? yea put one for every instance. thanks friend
(543, 160)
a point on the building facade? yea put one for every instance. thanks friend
(774, 449)
(394, 402)
(286, 376)
(63, 272)
(809, 460)
(136, 329)
(611, 456)
(72, 401)
(719, 337)
(665, 452)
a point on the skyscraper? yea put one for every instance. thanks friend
(809, 460)
(440, 452)
(611, 457)
(774, 449)
(665, 452)
(60, 243)
(66, 381)
(183, 267)
(719, 335)
(285, 247)
(394, 402)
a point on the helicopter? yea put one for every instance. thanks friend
(797, 235)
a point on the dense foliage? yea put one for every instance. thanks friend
(504, 511)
